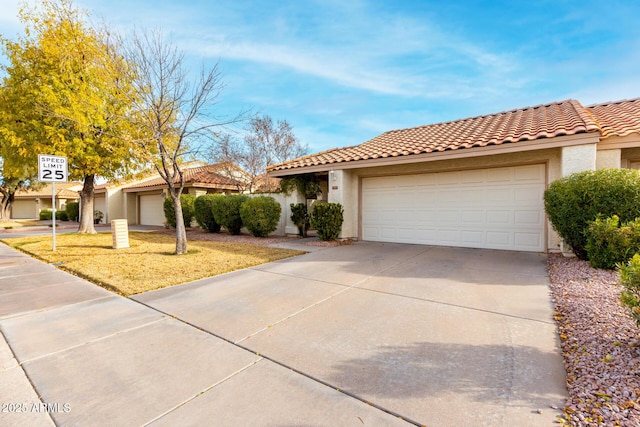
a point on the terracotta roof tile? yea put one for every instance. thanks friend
(619, 118)
(525, 124)
(67, 190)
(204, 175)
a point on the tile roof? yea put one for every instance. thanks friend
(202, 175)
(620, 118)
(525, 124)
(67, 190)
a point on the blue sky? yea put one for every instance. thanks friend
(342, 72)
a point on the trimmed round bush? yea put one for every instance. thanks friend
(573, 202)
(186, 202)
(260, 215)
(226, 211)
(73, 211)
(326, 219)
(202, 207)
(62, 215)
(46, 215)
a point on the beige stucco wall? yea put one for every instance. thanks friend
(115, 205)
(609, 159)
(578, 158)
(344, 189)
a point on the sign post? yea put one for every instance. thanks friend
(52, 169)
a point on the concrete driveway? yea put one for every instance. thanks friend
(367, 334)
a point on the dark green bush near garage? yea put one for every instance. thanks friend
(573, 202)
(327, 219)
(226, 211)
(260, 215)
(186, 201)
(45, 215)
(203, 211)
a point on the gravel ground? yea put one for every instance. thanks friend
(600, 344)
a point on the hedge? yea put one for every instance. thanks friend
(226, 211)
(573, 202)
(260, 215)
(186, 201)
(326, 219)
(203, 211)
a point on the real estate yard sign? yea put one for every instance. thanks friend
(52, 169)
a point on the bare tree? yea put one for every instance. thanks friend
(264, 144)
(171, 114)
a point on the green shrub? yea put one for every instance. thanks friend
(300, 217)
(203, 212)
(226, 211)
(46, 215)
(630, 280)
(573, 202)
(610, 244)
(260, 215)
(327, 219)
(73, 211)
(186, 201)
(62, 215)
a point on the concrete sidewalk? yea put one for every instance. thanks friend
(368, 334)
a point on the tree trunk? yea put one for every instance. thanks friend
(181, 232)
(5, 204)
(86, 206)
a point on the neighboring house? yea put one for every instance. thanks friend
(476, 182)
(28, 203)
(140, 200)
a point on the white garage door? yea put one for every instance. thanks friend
(151, 210)
(499, 208)
(24, 209)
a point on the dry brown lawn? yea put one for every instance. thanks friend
(149, 263)
(17, 223)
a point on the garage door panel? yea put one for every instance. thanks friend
(473, 176)
(529, 173)
(500, 175)
(500, 218)
(473, 217)
(533, 218)
(498, 239)
(151, 209)
(471, 238)
(499, 208)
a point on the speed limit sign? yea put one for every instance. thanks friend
(52, 168)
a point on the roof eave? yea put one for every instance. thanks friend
(536, 144)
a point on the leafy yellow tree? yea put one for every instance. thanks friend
(68, 97)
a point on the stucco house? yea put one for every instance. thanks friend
(28, 203)
(476, 182)
(139, 200)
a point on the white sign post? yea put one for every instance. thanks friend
(52, 169)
